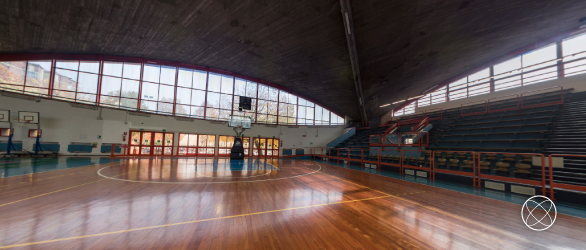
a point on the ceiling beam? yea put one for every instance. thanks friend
(351, 39)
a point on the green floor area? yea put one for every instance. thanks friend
(22, 166)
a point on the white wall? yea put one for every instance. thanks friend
(64, 124)
(577, 82)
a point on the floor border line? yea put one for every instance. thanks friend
(191, 222)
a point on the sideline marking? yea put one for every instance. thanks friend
(57, 191)
(186, 222)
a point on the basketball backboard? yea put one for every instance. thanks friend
(4, 115)
(29, 117)
(239, 121)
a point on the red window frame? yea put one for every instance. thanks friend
(199, 148)
(143, 147)
(269, 147)
(227, 148)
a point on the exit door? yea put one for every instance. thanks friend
(265, 147)
(151, 143)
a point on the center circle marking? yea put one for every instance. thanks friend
(214, 182)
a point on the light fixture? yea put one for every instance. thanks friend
(385, 105)
(398, 101)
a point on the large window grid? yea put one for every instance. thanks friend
(162, 89)
(529, 68)
(196, 144)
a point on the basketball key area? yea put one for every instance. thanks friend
(212, 203)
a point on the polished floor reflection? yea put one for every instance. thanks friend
(211, 203)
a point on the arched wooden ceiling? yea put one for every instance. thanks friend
(404, 46)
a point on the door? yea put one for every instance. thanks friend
(265, 147)
(163, 143)
(151, 143)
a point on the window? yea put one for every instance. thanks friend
(479, 83)
(573, 46)
(75, 80)
(225, 144)
(536, 60)
(38, 77)
(159, 89)
(120, 85)
(206, 145)
(507, 74)
(439, 96)
(424, 101)
(187, 144)
(458, 89)
(265, 147)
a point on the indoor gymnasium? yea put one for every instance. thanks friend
(258, 124)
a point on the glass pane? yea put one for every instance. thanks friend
(128, 103)
(212, 113)
(479, 75)
(182, 110)
(87, 83)
(214, 82)
(203, 139)
(72, 65)
(282, 109)
(111, 86)
(227, 84)
(35, 90)
(272, 108)
(168, 75)
(12, 73)
(113, 69)
(150, 91)
(130, 88)
(68, 95)
(273, 94)
(110, 101)
(158, 139)
(263, 92)
(222, 141)
(132, 71)
(148, 106)
(239, 87)
(213, 100)
(185, 78)
(199, 79)
(151, 73)
(271, 119)
(226, 102)
(38, 74)
(197, 111)
(192, 140)
(164, 107)
(135, 137)
(65, 79)
(225, 114)
(90, 67)
(283, 97)
(198, 97)
(251, 89)
(183, 96)
(166, 93)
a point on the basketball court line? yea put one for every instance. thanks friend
(219, 218)
(56, 191)
(188, 222)
(424, 206)
(215, 182)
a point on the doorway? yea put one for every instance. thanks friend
(151, 143)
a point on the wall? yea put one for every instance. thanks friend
(577, 82)
(64, 124)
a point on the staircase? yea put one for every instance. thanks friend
(569, 137)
